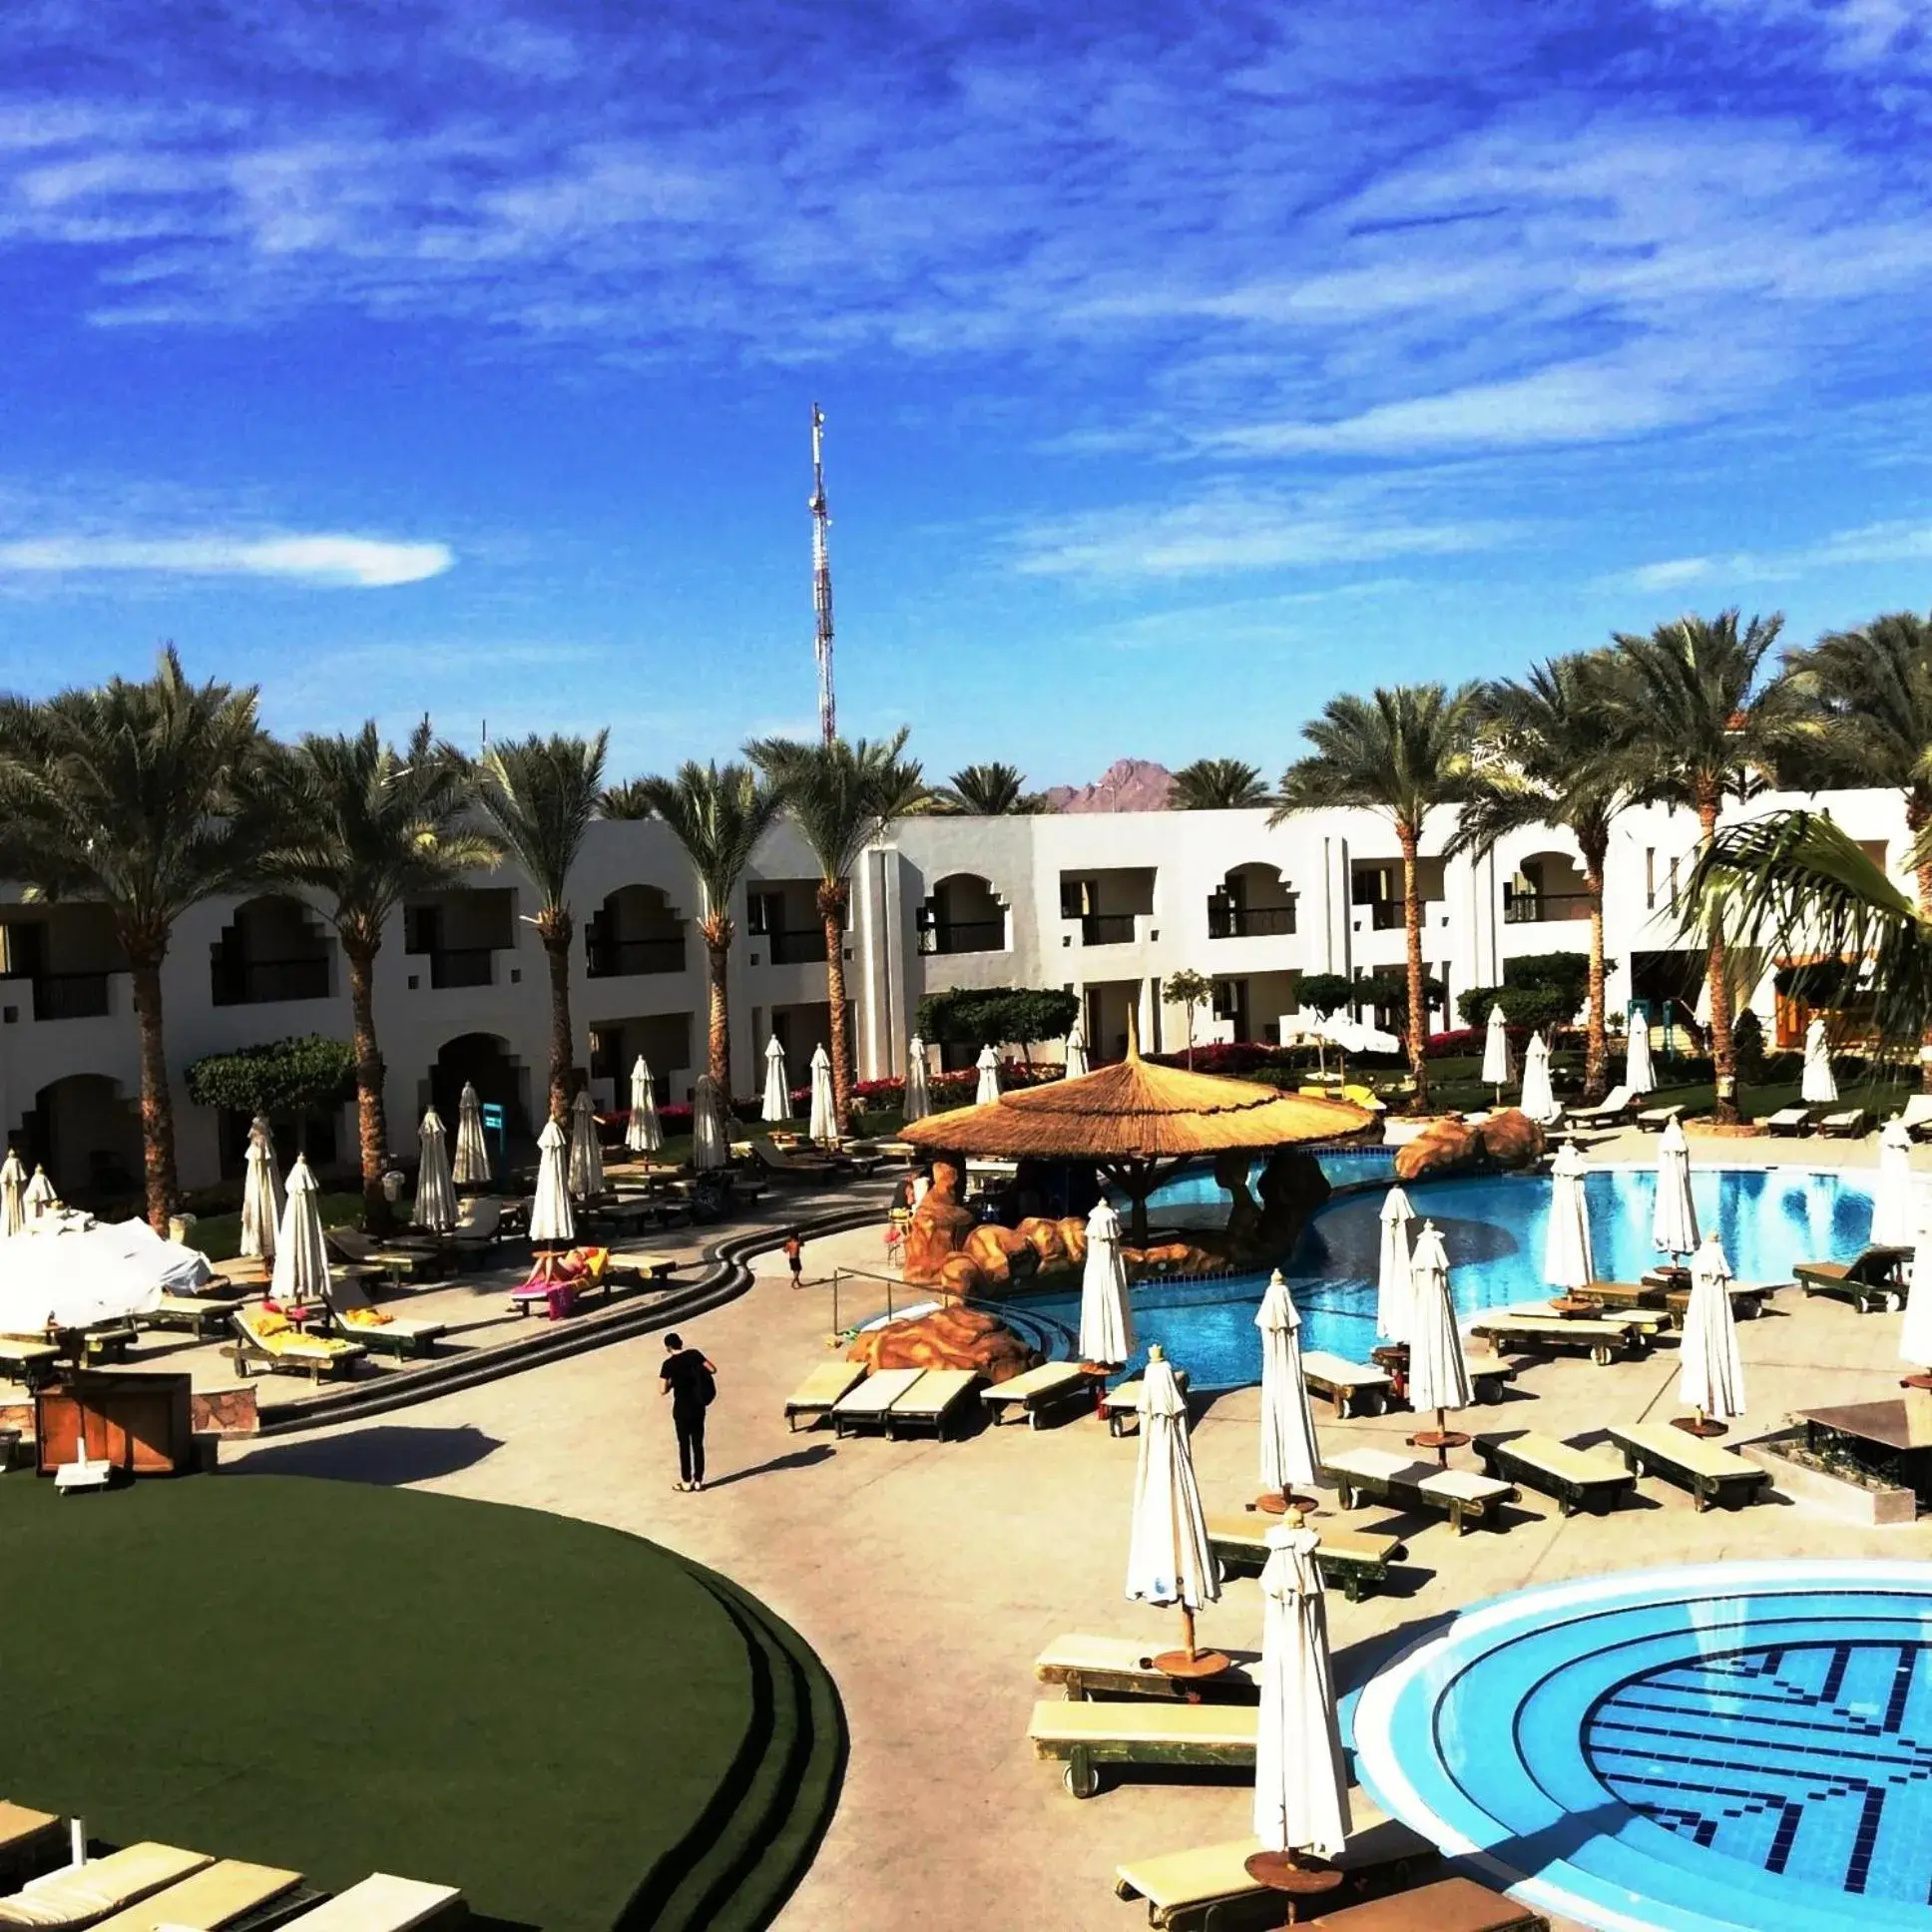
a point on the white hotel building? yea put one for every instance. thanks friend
(1109, 905)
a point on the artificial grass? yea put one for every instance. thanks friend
(218, 1236)
(564, 1721)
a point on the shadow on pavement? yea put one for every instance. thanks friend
(792, 1458)
(388, 1454)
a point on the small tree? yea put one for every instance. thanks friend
(1324, 992)
(992, 1016)
(1188, 990)
(297, 1077)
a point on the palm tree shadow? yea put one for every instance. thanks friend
(389, 1455)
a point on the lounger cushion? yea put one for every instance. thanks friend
(1179, 1879)
(1047, 1379)
(824, 1386)
(1662, 1443)
(878, 1392)
(80, 1895)
(212, 1898)
(381, 1903)
(1559, 1459)
(1122, 1656)
(1230, 1727)
(936, 1391)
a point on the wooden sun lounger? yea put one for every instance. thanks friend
(1037, 1392)
(201, 1315)
(1847, 1125)
(1603, 1340)
(1199, 1890)
(30, 1842)
(81, 1895)
(818, 1394)
(1791, 1120)
(1654, 1120)
(1623, 1297)
(1136, 1730)
(382, 1903)
(1345, 1383)
(1871, 1282)
(31, 1364)
(1122, 1666)
(1614, 1105)
(1359, 1561)
(1711, 1474)
(1448, 1905)
(932, 1402)
(1577, 1478)
(1404, 1483)
(867, 1406)
(290, 1351)
(215, 1896)
(1747, 1300)
(1122, 1403)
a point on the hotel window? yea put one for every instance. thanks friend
(1649, 878)
(1673, 886)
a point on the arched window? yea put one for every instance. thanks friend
(1252, 900)
(963, 915)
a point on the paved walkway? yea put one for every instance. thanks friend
(929, 1575)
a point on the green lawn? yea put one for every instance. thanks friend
(570, 1723)
(218, 1236)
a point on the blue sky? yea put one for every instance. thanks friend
(1182, 366)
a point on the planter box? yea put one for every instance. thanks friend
(1851, 1501)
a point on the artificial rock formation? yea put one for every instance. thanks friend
(1291, 1187)
(939, 1224)
(1509, 1139)
(1512, 1139)
(949, 1337)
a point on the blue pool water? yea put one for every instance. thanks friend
(1724, 1746)
(1767, 1219)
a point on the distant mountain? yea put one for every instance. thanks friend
(1128, 785)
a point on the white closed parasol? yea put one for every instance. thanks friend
(1639, 1077)
(1289, 1454)
(918, 1096)
(1438, 1374)
(1499, 1063)
(301, 1251)
(1674, 1214)
(435, 1204)
(1106, 1313)
(642, 1132)
(585, 1152)
(1393, 1288)
(1711, 1372)
(261, 1196)
(1539, 1099)
(472, 1148)
(1169, 1558)
(1818, 1087)
(989, 1077)
(1567, 1258)
(13, 1189)
(1894, 1222)
(1076, 1066)
(553, 1223)
(778, 1090)
(711, 1149)
(824, 1103)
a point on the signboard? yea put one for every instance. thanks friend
(493, 1124)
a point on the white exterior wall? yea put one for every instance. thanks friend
(1022, 860)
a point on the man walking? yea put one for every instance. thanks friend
(689, 1382)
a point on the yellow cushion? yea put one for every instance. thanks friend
(266, 1325)
(366, 1317)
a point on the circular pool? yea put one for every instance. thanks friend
(1768, 1220)
(1715, 1748)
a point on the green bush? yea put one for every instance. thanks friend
(1390, 986)
(1535, 1007)
(970, 1015)
(301, 1075)
(1567, 973)
(1324, 992)
(1748, 1043)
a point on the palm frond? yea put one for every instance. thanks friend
(718, 814)
(841, 795)
(540, 794)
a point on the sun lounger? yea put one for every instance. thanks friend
(1122, 1403)
(201, 1316)
(1788, 1120)
(272, 1342)
(1916, 1117)
(1488, 1378)
(1621, 1296)
(932, 1402)
(796, 1166)
(1404, 1483)
(358, 1318)
(31, 1364)
(1577, 1478)
(1122, 1666)
(1711, 1474)
(1448, 1905)
(867, 1406)
(1347, 1384)
(404, 1263)
(1601, 1339)
(1654, 1120)
(1848, 1126)
(817, 1395)
(81, 1895)
(1136, 1731)
(1358, 1562)
(1747, 1300)
(381, 1903)
(215, 1896)
(1872, 1281)
(1615, 1105)
(1201, 1890)
(1039, 1392)
(31, 1842)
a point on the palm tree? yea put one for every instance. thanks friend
(718, 815)
(1696, 728)
(1217, 784)
(365, 828)
(995, 790)
(1403, 753)
(148, 798)
(627, 800)
(1548, 766)
(540, 796)
(841, 796)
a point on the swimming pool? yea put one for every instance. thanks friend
(1701, 1749)
(1768, 1218)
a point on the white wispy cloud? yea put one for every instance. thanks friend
(1892, 541)
(324, 560)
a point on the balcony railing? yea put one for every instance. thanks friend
(462, 966)
(800, 946)
(1532, 908)
(619, 958)
(1106, 929)
(1248, 923)
(255, 982)
(965, 936)
(1384, 915)
(70, 996)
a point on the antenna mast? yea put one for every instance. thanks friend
(821, 579)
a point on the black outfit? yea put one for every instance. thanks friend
(689, 1383)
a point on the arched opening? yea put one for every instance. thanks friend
(636, 930)
(484, 1061)
(1252, 901)
(1546, 885)
(963, 915)
(275, 948)
(87, 1134)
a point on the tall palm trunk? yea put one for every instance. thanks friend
(371, 1120)
(1412, 927)
(1596, 1049)
(1724, 1055)
(1918, 815)
(557, 928)
(715, 929)
(157, 1103)
(832, 910)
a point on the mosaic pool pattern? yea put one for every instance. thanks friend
(1494, 1226)
(1737, 1746)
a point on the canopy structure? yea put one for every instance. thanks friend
(1137, 1122)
